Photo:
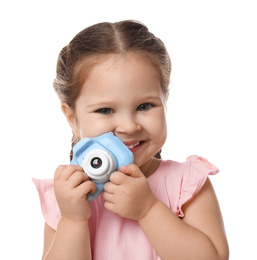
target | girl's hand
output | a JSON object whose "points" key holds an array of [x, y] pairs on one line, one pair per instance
{"points": [[128, 193], [71, 186]]}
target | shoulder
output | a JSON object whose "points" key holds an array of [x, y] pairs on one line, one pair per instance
{"points": [[194, 166], [178, 182]]}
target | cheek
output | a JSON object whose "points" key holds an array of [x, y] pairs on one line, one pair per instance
{"points": [[157, 126], [92, 127]]}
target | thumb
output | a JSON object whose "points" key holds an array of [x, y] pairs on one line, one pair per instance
{"points": [[131, 170]]}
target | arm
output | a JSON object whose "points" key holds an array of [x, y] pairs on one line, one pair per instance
{"points": [[71, 239], [200, 235]]}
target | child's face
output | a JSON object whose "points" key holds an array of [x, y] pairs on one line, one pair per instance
{"points": [[123, 95]]}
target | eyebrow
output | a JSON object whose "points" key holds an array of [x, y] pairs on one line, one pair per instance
{"points": [[109, 103], [152, 97], [104, 104]]}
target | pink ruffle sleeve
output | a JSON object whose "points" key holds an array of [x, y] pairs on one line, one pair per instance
{"points": [[49, 205], [194, 179]]}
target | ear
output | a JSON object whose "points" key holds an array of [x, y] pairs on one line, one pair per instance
{"points": [[71, 118]]}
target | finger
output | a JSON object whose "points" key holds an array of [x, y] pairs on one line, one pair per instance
{"points": [[109, 187], [68, 170], [117, 178], [58, 171], [108, 197], [86, 187], [109, 206], [77, 178], [131, 170]]}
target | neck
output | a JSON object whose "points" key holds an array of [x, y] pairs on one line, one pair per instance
{"points": [[150, 167]]}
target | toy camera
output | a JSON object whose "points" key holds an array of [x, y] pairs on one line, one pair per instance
{"points": [[99, 157]]}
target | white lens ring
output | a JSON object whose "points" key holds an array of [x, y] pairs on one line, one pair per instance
{"points": [[103, 171]]}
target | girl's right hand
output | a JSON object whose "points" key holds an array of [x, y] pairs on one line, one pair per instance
{"points": [[71, 186]]}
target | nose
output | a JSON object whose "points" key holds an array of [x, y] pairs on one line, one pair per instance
{"points": [[127, 124]]}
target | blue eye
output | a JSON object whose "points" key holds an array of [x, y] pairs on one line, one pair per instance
{"points": [[144, 107], [104, 111]]}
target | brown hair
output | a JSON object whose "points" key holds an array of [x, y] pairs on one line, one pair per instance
{"points": [[93, 43]]}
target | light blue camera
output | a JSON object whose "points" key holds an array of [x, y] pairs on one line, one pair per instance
{"points": [[99, 157]]}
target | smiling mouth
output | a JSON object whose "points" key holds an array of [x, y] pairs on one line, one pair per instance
{"points": [[133, 145]]}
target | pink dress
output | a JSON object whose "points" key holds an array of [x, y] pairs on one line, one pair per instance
{"points": [[114, 237]]}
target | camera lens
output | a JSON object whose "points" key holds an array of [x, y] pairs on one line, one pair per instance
{"points": [[96, 162]]}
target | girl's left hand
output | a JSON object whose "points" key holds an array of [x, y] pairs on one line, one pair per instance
{"points": [[128, 193]]}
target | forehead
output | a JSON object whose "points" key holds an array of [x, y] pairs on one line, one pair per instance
{"points": [[122, 75], [118, 61]]}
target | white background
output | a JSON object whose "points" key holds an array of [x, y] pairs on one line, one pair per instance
{"points": [[211, 110]]}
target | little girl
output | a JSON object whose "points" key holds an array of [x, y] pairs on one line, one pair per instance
{"points": [[114, 77]]}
